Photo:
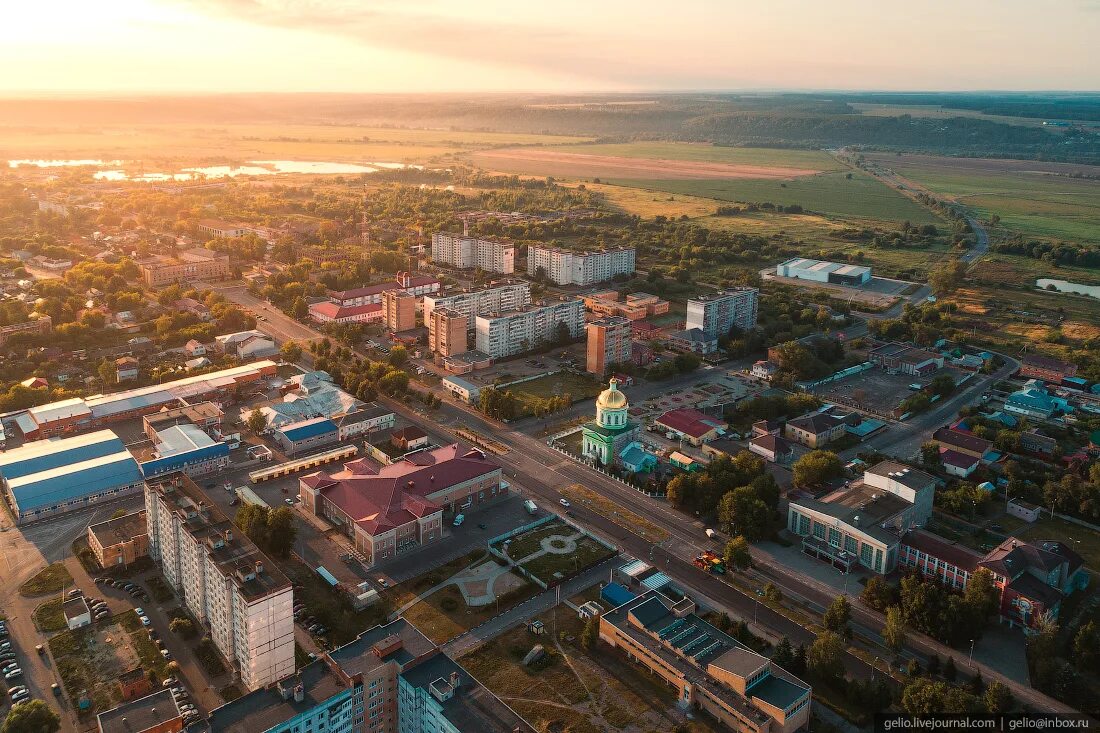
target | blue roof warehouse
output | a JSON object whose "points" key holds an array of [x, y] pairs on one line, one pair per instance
{"points": [[49, 477], [307, 434]]}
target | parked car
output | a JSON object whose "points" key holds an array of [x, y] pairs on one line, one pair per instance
{"points": [[21, 696], [565, 503], [56, 688], [75, 593], [459, 519], [166, 654], [17, 672], [169, 682], [145, 621], [17, 689], [7, 657]]}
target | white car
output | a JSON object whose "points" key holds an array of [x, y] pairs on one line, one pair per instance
{"points": [[565, 503], [145, 621], [17, 672], [139, 611]]}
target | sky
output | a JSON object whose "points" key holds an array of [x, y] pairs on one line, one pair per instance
{"points": [[176, 46]]}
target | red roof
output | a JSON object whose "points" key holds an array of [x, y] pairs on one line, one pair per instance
{"points": [[690, 422], [958, 555], [959, 439], [383, 498], [959, 460], [337, 311], [363, 291]]}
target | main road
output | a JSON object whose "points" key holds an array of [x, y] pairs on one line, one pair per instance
{"points": [[543, 471]]}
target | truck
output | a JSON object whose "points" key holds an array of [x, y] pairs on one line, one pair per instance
{"points": [[530, 506], [711, 534], [710, 562]]}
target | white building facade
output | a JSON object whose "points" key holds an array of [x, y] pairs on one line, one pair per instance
{"points": [[716, 314], [499, 299], [520, 331], [466, 252], [564, 267]]}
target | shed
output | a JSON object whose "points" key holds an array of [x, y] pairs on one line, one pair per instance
{"points": [[616, 595]]}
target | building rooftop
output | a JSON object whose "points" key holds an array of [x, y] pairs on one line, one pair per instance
{"points": [[905, 475], [329, 309], [1045, 362], [691, 422], [1013, 556], [181, 439], [958, 555], [140, 715], [816, 422], [398, 642], [863, 507], [958, 460], [308, 428], [120, 529], [960, 439], [232, 553]]}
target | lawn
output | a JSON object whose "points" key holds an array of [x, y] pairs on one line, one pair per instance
{"points": [[49, 616], [831, 193], [579, 386], [547, 567], [50, 579], [702, 152], [332, 608], [613, 511], [1082, 540], [444, 614], [574, 690]]}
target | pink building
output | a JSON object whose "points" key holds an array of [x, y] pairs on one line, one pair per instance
{"points": [[330, 312]]}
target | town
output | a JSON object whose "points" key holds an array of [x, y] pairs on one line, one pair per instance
{"points": [[557, 413]]}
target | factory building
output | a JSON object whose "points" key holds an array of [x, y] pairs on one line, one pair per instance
{"points": [[824, 272]]}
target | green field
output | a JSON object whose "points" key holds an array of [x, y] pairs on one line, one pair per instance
{"points": [[827, 193], [563, 383], [1034, 199]]}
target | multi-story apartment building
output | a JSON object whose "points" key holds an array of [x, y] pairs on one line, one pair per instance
{"points": [[391, 679], [519, 331], [708, 669], [189, 266], [390, 509], [448, 331], [715, 315], [243, 601], [497, 299], [565, 267], [399, 308], [41, 325], [467, 252], [219, 228], [608, 343]]}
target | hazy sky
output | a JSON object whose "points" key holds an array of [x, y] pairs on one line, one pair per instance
{"points": [[546, 45]]}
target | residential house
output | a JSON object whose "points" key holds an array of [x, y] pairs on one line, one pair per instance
{"points": [[409, 438], [126, 369], [773, 449], [194, 348], [691, 425], [1037, 366], [815, 429]]}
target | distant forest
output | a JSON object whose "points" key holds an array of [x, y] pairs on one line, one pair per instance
{"points": [[780, 120]]}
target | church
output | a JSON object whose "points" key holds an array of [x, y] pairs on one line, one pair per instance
{"points": [[612, 431]]}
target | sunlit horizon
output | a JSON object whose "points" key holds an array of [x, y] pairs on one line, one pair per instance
{"points": [[141, 47]]}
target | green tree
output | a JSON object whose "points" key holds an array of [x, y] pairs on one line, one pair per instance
{"points": [[878, 594], [32, 716], [997, 698], [398, 356], [923, 696], [742, 510], [950, 673], [281, 531], [107, 372], [826, 656], [893, 632], [815, 468], [798, 666], [591, 634], [183, 627], [1086, 646], [784, 653], [256, 421], [299, 309], [772, 594], [737, 553], [291, 351], [837, 617]]}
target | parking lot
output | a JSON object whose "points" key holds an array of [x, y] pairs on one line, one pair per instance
{"points": [[876, 390]]}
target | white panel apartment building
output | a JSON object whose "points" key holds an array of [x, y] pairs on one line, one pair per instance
{"points": [[469, 252], [715, 314], [579, 268], [232, 589], [499, 299], [514, 333]]}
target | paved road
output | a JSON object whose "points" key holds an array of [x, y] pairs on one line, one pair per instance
{"points": [[274, 322]]}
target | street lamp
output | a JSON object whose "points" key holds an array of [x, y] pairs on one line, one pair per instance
{"points": [[971, 652]]}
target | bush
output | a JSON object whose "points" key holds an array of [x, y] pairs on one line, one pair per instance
{"points": [[448, 604]]}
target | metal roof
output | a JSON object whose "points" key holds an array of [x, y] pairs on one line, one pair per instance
{"points": [[44, 455], [62, 410], [308, 429], [74, 481]]}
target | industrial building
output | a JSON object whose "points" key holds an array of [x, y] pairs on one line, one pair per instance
{"points": [[715, 315], [824, 272], [306, 435], [467, 252], [565, 267], [500, 298], [448, 331], [520, 331], [77, 414], [608, 343], [238, 596], [390, 678], [188, 449], [247, 345], [49, 477]]}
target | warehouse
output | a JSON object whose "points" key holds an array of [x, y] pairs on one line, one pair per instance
{"points": [[186, 448], [49, 477], [824, 272], [300, 436]]}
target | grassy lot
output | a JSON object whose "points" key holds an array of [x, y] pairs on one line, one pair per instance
{"points": [[588, 553], [530, 542], [1081, 539], [625, 518], [444, 614], [49, 616], [1035, 199], [580, 386], [332, 608], [827, 193], [574, 690], [239, 143], [50, 579], [701, 152]]}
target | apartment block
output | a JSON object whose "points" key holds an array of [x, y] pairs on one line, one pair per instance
{"points": [[715, 315], [44, 324], [400, 310], [519, 331], [565, 267], [608, 343], [497, 299], [237, 595], [467, 252], [390, 679], [447, 332], [188, 266]]}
